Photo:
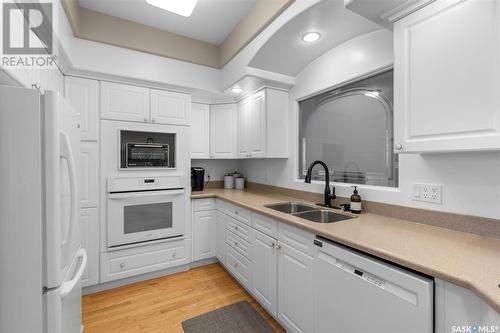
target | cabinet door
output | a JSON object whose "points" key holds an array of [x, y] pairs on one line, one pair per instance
{"points": [[243, 128], [89, 190], [264, 271], [168, 107], [83, 94], [295, 293], [446, 91], [257, 125], [124, 102], [223, 129], [203, 235], [220, 241], [200, 125], [89, 225]]}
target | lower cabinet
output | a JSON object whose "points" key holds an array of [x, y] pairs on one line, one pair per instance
{"points": [[295, 293], [265, 271], [239, 267], [220, 241], [89, 225], [140, 260], [204, 235]]}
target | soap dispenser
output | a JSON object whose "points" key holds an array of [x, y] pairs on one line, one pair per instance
{"points": [[355, 201]]}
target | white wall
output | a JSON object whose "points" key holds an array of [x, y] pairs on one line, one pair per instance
{"points": [[471, 181], [216, 168]]}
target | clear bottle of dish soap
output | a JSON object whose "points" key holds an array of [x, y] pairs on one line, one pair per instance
{"points": [[355, 201]]}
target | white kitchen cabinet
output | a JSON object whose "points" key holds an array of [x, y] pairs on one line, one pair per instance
{"points": [[115, 265], [264, 271], [89, 225], [89, 173], [172, 108], [262, 125], [295, 293], [124, 102], [203, 235], [447, 77], [223, 130], [200, 130], [220, 239], [457, 307], [83, 95]]}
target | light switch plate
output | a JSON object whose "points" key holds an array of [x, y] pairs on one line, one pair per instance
{"points": [[427, 192]]}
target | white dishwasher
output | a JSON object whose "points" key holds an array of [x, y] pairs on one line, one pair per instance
{"points": [[355, 293]]}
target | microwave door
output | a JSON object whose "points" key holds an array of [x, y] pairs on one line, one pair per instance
{"points": [[145, 216]]}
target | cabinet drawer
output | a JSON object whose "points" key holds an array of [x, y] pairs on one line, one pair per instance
{"points": [[265, 225], [240, 229], [238, 266], [239, 213], [297, 238], [238, 244], [204, 204], [126, 263]]}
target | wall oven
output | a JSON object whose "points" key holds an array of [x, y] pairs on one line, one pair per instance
{"points": [[142, 210]]}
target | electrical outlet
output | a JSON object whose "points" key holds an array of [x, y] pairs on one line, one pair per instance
{"points": [[427, 192]]}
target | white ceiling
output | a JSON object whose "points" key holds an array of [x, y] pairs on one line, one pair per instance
{"points": [[211, 21], [286, 53]]}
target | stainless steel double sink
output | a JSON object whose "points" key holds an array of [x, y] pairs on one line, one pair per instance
{"points": [[311, 213]]}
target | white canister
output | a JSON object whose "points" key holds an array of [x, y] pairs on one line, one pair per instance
{"points": [[240, 183], [228, 181]]}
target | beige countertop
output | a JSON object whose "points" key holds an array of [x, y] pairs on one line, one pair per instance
{"points": [[468, 260]]}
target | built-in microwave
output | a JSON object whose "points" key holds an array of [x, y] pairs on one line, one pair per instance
{"points": [[147, 149]]}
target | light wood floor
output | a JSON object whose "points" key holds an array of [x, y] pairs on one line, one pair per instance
{"points": [[161, 305]]}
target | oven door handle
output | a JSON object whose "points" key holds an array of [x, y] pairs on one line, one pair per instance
{"points": [[144, 194]]}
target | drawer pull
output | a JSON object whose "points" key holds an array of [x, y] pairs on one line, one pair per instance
{"points": [[235, 265], [235, 228], [122, 265], [236, 212], [174, 255], [278, 247], [273, 245], [236, 243]]}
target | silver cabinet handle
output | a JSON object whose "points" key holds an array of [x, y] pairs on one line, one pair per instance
{"points": [[236, 212], [153, 120], [235, 265], [174, 255], [145, 119], [399, 146], [122, 265], [236, 243], [273, 245], [278, 247], [235, 228]]}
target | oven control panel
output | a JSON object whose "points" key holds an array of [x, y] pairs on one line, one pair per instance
{"points": [[126, 184]]}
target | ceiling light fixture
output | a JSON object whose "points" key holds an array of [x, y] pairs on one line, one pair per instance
{"points": [[179, 7], [236, 90], [311, 37]]}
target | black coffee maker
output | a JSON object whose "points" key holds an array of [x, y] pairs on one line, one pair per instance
{"points": [[197, 178]]}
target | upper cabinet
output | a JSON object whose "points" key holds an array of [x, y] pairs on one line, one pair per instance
{"points": [[124, 102], [83, 95], [447, 77], [171, 108], [200, 144], [262, 125], [223, 130], [132, 103]]}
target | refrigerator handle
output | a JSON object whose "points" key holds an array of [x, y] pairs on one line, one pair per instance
{"points": [[68, 286], [67, 154]]}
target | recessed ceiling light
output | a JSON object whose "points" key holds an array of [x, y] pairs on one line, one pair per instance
{"points": [[311, 37], [236, 90], [179, 7]]}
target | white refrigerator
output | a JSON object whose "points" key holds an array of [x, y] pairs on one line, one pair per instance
{"points": [[41, 259]]}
